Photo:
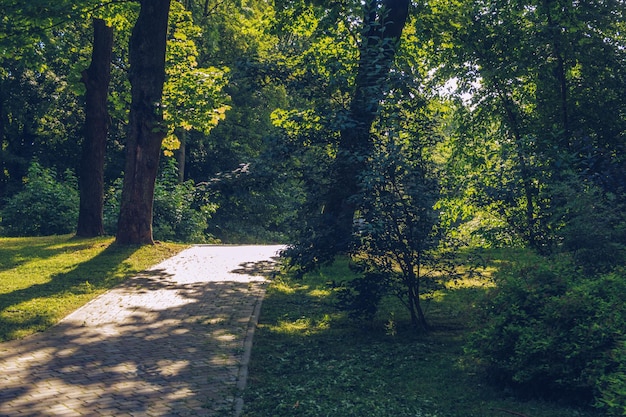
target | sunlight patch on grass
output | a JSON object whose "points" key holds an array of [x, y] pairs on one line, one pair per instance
{"points": [[470, 282], [43, 279], [282, 287], [320, 293], [302, 326]]}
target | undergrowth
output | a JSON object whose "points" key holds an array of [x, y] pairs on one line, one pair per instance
{"points": [[310, 359]]}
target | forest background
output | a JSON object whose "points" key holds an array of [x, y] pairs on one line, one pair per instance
{"points": [[392, 130]]}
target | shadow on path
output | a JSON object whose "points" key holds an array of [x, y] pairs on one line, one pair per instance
{"points": [[166, 343]]}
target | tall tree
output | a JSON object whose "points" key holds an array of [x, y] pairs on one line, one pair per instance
{"points": [[146, 129], [91, 180], [383, 23], [355, 85], [547, 84]]}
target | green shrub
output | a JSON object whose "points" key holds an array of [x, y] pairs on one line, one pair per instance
{"points": [[548, 331], [112, 201], [180, 213], [589, 224], [46, 206], [176, 217], [612, 386]]}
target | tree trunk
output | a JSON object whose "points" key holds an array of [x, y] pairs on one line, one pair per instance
{"points": [[527, 181], [559, 73], [384, 21], [181, 155], [91, 180], [146, 131]]}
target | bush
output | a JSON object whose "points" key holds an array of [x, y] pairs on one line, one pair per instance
{"points": [[546, 330], [612, 386], [46, 205], [176, 216], [180, 212], [590, 225]]}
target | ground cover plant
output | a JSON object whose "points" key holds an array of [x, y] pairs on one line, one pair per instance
{"points": [[43, 279], [310, 359]]}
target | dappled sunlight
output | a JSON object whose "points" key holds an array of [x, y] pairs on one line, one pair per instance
{"points": [[320, 293], [304, 326], [470, 282], [167, 341], [286, 288]]}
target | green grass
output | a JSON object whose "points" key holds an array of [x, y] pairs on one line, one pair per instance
{"points": [[309, 360], [45, 278]]}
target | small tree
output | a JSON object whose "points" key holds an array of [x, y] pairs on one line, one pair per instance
{"points": [[397, 228]]}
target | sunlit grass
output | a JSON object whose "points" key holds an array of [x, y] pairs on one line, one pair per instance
{"points": [[45, 278], [309, 359]]}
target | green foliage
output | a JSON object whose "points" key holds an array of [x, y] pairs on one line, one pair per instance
{"points": [[612, 386], [256, 203], [546, 330], [309, 360], [180, 210], [46, 206], [192, 96], [361, 296], [396, 227], [590, 224]]}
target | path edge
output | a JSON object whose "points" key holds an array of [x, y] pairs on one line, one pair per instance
{"points": [[242, 376]]}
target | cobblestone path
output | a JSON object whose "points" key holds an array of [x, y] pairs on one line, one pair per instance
{"points": [[173, 341]]}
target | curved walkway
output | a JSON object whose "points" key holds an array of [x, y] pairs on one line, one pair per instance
{"points": [[172, 341]]}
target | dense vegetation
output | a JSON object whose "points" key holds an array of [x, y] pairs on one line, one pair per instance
{"points": [[395, 132], [311, 359]]}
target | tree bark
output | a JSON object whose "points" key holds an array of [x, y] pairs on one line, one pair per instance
{"points": [[91, 180], [384, 21], [146, 131]]}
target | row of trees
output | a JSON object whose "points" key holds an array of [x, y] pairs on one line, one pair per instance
{"points": [[67, 84], [545, 81], [530, 139]]}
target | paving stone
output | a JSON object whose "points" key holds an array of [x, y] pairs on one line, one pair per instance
{"points": [[169, 342]]}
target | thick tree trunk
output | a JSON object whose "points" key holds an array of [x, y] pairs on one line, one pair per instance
{"points": [[384, 21], [91, 180], [146, 131]]}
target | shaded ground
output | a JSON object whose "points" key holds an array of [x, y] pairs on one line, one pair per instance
{"points": [[172, 341]]}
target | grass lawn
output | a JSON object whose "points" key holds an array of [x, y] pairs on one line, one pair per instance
{"points": [[45, 278], [308, 359]]}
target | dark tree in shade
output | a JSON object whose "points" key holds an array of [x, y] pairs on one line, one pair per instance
{"points": [[91, 180], [145, 131], [384, 21]]}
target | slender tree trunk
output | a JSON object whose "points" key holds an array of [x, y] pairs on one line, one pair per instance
{"points": [[527, 182], [181, 155], [91, 180], [3, 127], [146, 131], [384, 21], [418, 319], [559, 73]]}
